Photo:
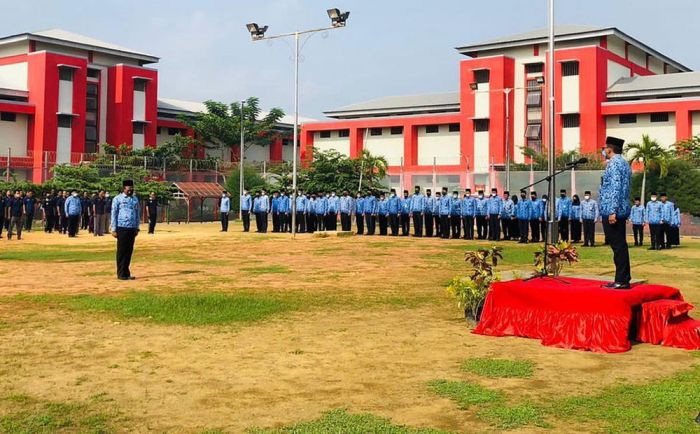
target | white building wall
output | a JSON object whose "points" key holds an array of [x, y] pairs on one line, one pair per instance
{"points": [[14, 76], [442, 146], [13, 136], [481, 101], [616, 45], [637, 56], [656, 66], [21, 47], [257, 153], [63, 145], [288, 151], [616, 71], [481, 152], [102, 127], [663, 132], [522, 56], [571, 139], [43, 46], [696, 123], [334, 142], [570, 93], [389, 146], [65, 96], [137, 141], [223, 153], [139, 105]]}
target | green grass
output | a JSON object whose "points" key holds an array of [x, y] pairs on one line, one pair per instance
{"points": [[464, 394], [22, 414], [499, 368], [267, 269], [195, 309], [340, 421], [43, 254], [510, 417]]}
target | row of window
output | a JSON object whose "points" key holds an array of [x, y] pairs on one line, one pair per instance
{"points": [[171, 131], [567, 69], [653, 117], [394, 131], [8, 117]]}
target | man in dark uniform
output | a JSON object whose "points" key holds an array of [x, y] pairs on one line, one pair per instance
{"points": [[3, 213], [85, 206], [152, 212], [15, 214], [125, 219], [48, 210], [98, 212], [615, 209], [61, 212], [29, 206]]}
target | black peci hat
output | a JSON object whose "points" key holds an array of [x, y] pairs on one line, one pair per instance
{"points": [[128, 183]]}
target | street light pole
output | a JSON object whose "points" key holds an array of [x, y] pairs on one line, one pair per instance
{"points": [[241, 177]]}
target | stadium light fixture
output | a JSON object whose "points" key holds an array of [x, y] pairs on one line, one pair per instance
{"points": [[256, 32], [338, 19]]}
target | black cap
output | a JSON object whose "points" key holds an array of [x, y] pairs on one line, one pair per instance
{"points": [[662, 194], [563, 190], [480, 191], [522, 191], [614, 141], [637, 198], [468, 189], [128, 183], [587, 192], [653, 193], [494, 189], [506, 192]]}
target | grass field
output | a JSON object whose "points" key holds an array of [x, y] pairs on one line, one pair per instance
{"points": [[227, 333]]}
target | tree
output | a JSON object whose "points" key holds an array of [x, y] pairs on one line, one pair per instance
{"points": [[649, 153], [220, 125], [86, 177], [688, 150], [682, 184], [333, 171], [253, 182]]}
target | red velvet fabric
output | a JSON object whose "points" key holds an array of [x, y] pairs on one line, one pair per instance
{"points": [[655, 316], [683, 333], [580, 315]]}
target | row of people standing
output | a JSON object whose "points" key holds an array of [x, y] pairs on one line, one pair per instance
{"points": [[663, 218]]}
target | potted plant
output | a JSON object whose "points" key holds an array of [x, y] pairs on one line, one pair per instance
{"points": [[470, 291], [557, 255]]}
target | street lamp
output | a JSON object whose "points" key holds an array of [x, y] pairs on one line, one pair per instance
{"points": [[241, 179], [257, 33]]}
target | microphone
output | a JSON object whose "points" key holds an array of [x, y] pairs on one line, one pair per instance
{"points": [[582, 160]]}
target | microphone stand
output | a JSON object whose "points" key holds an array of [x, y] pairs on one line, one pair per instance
{"points": [[550, 221]]}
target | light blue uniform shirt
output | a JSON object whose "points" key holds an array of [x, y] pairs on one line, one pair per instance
{"points": [[359, 206], [72, 207], [482, 206], [417, 203], [637, 215], [536, 209], [494, 205], [370, 205], [508, 209], [445, 205], [382, 207], [285, 205], [436, 206], [676, 220], [333, 204], [405, 205], [653, 212], [456, 206], [575, 212], [275, 205], [225, 204], [126, 212], [563, 207], [264, 203], [614, 194], [429, 204], [393, 205], [345, 205], [321, 206], [523, 209], [469, 206], [666, 211], [302, 204], [589, 210], [246, 202]]}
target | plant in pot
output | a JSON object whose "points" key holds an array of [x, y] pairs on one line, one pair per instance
{"points": [[470, 291], [557, 255]]}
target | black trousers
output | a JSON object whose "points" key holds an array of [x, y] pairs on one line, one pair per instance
{"points": [[300, 222], [468, 227], [73, 222], [261, 221], [360, 223], [616, 236], [456, 224], [417, 224], [638, 231], [523, 225], [49, 223], [676, 235], [310, 223], [575, 230], [63, 223], [505, 228], [494, 227], [514, 229], [246, 220], [154, 217], [275, 222], [665, 235], [224, 223], [345, 222], [125, 248], [285, 222], [405, 220], [543, 229], [655, 233], [332, 221], [394, 224], [438, 231], [84, 221], [371, 223], [28, 220], [564, 228], [482, 230], [428, 223], [382, 224], [589, 233], [444, 226], [535, 230], [320, 222]]}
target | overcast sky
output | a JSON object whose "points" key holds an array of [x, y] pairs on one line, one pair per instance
{"points": [[388, 48]]}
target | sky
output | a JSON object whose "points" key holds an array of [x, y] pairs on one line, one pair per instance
{"points": [[388, 47]]}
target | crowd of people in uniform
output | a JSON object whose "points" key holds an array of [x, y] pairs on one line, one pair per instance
{"points": [[520, 218]]}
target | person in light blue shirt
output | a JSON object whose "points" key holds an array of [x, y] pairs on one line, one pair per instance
{"points": [[436, 215], [311, 219], [536, 206], [246, 204], [494, 205], [224, 209], [359, 205], [263, 211], [589, 215], [301, 210], [285, 210], [455, 215], [321, 209], [382, 214], [445, 211], [371, 212], [405, 214], [667, 208], [482, 226], [563, 212], [345, 208], [73, 209], [428, 218], [652, 216], [393, 209], [125, 221], [637, 220], [417, 210], [523, 210], [333, 204], [676, 226], [468, 213], [615, 207], [507, 216]]}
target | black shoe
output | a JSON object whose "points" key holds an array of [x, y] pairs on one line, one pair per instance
{"points": [[609, 285], [621, 286]]}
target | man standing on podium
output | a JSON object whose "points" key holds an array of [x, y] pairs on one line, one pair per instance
{"points": [[615, 209]]}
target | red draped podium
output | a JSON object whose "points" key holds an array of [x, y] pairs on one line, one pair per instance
{"points": [[579, 315]]}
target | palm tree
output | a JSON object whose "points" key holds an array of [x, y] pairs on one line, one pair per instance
{"points": [[648, 152]]}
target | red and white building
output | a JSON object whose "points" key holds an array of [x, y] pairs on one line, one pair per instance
{"points": [[606, 83], [61, 94]]}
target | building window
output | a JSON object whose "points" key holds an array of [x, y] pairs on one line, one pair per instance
{"points": [[396, 130], [93, 73], [481, 125], [139, 127], [8, 117], [571, 120], [173, 131], [159, 130], [569, 68], [140, 85], [343, 133], [453, 128], [628, 119], [432, 129], [659, 117], [325, 134], [534, 98], [482, 76], [375, 131], [534, 68], [65, 73], [286, 142], [91, 133], [534, 132], [91, 90], [65, 121]]}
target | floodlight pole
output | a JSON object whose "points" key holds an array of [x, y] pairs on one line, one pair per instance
{"points": [[295, 152], [241, 179], [551, 207]]}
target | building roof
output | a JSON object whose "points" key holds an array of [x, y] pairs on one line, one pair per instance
{"points": [[200, 190], [655, 85], [562, 33], [446, 102], [70, 39], [177, 106]]}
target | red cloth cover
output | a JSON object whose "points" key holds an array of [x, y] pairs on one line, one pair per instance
{"points": [[655, 317], [580, 315], [683, 333]]}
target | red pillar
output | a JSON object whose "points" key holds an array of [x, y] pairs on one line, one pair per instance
{"points": [[356, 142], [684, 124], [276, 150], [410, 146]]}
